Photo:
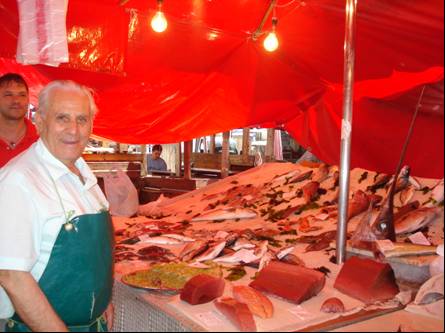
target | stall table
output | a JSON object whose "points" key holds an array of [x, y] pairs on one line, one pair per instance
{"points": [[139, 311]]}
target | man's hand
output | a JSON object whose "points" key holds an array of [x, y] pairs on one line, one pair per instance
{"points": [[109, 316]]}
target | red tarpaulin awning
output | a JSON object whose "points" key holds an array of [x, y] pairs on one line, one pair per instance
{"points": [[206, 73]]}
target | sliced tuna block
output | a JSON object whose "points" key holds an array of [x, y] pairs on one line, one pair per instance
{"points": [[202, 289], [294, 283], [258, 303], [238, 313], [367, 280]]}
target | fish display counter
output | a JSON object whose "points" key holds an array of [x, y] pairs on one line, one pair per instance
{"points": [[256, 252]]}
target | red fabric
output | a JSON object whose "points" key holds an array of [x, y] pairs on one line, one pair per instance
{"points": [[6, 153], [206, 74], [380, 124]]}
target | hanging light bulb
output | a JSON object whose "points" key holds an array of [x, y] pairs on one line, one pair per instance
{"points": [[159, 22], [271, 42]]}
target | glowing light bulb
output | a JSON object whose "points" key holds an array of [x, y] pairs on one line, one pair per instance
{"points": [[159, 22], [271, 42]]}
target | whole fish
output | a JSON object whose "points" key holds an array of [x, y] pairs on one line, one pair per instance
{"points": [[403, 180], [438, 192], [407, 194], [363, 232], [293, 260], [160, 240], [310, 191], [300, 178], [212, 252], [336, 176], [262, 249], [380, 182], [288, 175], [414, 182], [180, 238], [243, 243], [192, 250], [321, 174], [227, 214], [243, 256], [406, 209], [284, 252], [358, 204], [265, 260], [417, 219], [321, 241]]}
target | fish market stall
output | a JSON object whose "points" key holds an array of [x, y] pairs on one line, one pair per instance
{"points": [[256, 252]]}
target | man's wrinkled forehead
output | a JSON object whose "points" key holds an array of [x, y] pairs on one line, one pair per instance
{"points": [[63, 100]]}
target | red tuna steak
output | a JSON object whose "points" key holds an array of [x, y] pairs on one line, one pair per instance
{"points": [[202, 289], [367, 280], [294, 283]]}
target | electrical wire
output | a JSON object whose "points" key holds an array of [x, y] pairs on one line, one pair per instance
{"points": [[287, 4]]}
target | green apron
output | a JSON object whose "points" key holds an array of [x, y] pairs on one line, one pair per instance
{"points": [[78, 278]]}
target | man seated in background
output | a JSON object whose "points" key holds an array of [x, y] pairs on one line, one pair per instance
{"points": [[155, 162]]}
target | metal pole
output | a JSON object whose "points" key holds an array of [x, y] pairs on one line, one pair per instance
{"points": [[144, 170], [178, 160], [188, 146], [212, 144], [225, 155], [258, 31], [346, 131], [246, 143]]}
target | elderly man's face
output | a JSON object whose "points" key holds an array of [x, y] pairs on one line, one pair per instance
{"points": [[66, 126], [14, 101]]}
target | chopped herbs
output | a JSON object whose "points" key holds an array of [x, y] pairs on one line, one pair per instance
{"points": [[363, 177], [425, 190], [326, 271], [236, 273], [275, 243], [289, 232]]}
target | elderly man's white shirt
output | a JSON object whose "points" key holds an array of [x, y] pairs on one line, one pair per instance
{"points": [[31, 214]]}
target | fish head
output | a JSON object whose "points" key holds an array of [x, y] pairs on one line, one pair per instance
{"points": [[405, 172]]}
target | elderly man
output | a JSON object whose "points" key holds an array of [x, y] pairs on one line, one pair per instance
{"points": [[16, 132], [55, 234]]}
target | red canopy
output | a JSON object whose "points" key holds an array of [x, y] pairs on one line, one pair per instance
{"points": [[206, 73]]}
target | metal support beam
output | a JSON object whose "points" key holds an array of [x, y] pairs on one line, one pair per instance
{"points": [[225, 155], [144, 170], [187, 159], [346, 131], [178, 160], [270, 144], [212, 144], [259, 31], [246, 142]]}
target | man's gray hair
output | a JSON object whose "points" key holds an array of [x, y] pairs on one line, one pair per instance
{"points": [[66, 85]]}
